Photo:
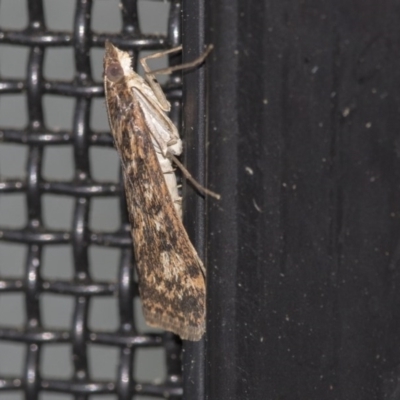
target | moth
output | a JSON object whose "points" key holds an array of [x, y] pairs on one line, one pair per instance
{"points": [[171, 274]]}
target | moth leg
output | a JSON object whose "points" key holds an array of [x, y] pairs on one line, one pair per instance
{"points": [[150, 75], [159, 54], [166, 71], [193, 181]]}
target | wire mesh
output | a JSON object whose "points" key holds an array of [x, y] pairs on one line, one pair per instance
{"points": [[37, 236]]}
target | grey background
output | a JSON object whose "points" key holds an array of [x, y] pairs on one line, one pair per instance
{"points": [[58, 164]]}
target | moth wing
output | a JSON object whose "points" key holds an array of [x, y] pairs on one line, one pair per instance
{"points": [[171, 279]]}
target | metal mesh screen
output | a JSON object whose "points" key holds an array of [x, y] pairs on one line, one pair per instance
{"points": [[38, 243]]}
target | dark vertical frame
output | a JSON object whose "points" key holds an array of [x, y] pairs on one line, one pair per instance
{"points": [[194, 133], [222, 234], [303, 259]]}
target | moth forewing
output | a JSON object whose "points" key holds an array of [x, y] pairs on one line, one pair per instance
{"points": [[171, 275]]}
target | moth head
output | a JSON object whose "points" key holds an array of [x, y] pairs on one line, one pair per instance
{"points": [[117, 63]]}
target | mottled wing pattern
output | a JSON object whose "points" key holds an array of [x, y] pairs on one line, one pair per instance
{"points": [[171, 280]]}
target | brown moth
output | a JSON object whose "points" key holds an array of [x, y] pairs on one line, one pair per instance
{"points": [[171, 274]]}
